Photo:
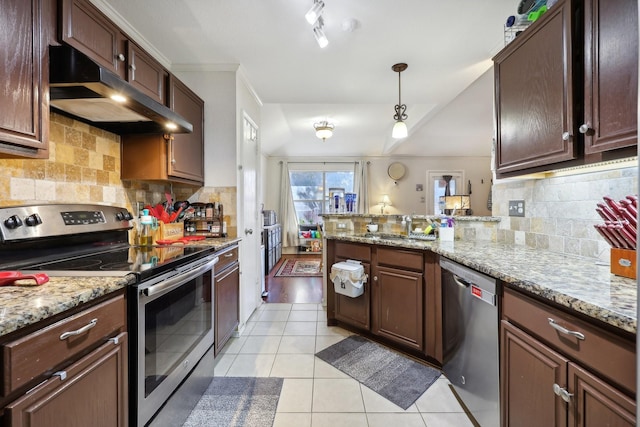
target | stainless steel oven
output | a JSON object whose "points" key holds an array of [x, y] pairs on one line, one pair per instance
{"points": [[174, 315], [169, 301]]}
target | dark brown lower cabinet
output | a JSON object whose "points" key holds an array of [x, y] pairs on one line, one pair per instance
{"points": [[91, 392], [398, 306], [356, 311], [559, 371], [227, 298]]}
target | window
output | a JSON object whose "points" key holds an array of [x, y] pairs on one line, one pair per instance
{"points": [[437, 185], [310, 185]]}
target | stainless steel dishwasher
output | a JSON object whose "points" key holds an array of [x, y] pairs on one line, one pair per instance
{"points": [[470, 323]]}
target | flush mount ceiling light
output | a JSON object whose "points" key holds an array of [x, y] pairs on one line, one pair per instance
{"points": [[315, 12], [324, 130], [400, 127]]}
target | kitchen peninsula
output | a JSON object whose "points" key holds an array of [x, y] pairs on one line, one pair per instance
{"points": [[402, 306]]}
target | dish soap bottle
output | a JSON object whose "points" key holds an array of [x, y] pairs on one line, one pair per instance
{"points": [[146, 228]]}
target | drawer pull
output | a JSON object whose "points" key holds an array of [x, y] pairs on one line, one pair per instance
{"points": [[562, 392], [114, 340], [565, 331], [229, 255], [82, 330]]}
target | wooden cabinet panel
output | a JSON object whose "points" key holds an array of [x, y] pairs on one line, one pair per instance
{"points": [[24, 112], [355, 311], [85, 28], [23, 358], [227, 300], [146, 74], [410, 260], [534, 95], [398, 306], [355, 251], [93, 392], [528, 372], [597, 403], [187, 150], [611, 75]]}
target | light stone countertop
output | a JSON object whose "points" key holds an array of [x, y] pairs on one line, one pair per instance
{"points": [[578, 284], [25, 304]]}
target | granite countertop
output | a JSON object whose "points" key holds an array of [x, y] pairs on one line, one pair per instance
{"points": [[25, 303], [579, 284]]}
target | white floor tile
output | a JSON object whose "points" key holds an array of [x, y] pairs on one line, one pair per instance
{"points": [[277, 306], [447, 420], [303, 316], [396, 420], [300, 328], [274, 315], [234, 345], [251, 365], [284, 419], [373, 402], [260, 344], [338, 420], [305, 307], [337, 395], [322, 316], [297, 344], [324, 341], [296, 395], [324, 370], [268, 328], [438, 398], [323, 329], [222, 364], [248, 327], [293, 366]]}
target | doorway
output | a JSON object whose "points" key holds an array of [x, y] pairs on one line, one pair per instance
{"points": [[294, 289]]}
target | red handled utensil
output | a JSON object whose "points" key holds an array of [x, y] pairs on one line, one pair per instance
{"points": [[10, 277]]}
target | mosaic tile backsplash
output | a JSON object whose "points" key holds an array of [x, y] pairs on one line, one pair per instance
{"points": [[560, 211], [84, 167]]}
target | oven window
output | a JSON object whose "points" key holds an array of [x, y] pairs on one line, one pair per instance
{"points": [[174, 324]]}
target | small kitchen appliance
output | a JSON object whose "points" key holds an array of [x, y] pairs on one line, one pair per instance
{"points": [[170, 296]]}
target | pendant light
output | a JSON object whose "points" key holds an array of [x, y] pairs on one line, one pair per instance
{"points": [[400, 127]]}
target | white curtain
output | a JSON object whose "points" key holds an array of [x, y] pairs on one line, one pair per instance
{"points": [[361, 187], [288, 216]]}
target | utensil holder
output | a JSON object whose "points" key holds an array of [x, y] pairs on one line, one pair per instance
{"points": [[447, 234]]}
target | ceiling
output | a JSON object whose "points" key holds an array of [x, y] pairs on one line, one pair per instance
{"points": [[447, 87]]}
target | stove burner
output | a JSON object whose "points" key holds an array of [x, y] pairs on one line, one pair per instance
{"points": [[116, 266]]}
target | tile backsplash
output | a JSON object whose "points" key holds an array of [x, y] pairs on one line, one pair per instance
{"points": [[560, 211], [84, 167]]}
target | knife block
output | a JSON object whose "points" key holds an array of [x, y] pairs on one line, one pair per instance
{"points": [[623, 262]]}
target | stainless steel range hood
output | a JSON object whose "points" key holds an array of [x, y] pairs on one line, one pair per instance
{"points": [[83, 89]]}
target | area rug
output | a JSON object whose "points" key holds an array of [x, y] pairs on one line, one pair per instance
{"points": [[398, 378], [237, 402], [296, 267]]}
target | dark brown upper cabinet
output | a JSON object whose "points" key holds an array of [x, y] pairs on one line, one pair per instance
{"points": [[24, 110], [85, 28], [611, 75], [566, 88]]}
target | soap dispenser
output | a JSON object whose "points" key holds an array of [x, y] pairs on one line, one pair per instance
{"points": [[147, 225]]}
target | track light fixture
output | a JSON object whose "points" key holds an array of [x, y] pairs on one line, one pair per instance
{"points": [[315, 12], [319, 34], [324, 130], [400, 127]]}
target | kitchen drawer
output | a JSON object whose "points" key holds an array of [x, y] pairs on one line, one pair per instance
{"points": [[227, 257], [353, 251], [43, 351], [399, 258], [600, 351]]}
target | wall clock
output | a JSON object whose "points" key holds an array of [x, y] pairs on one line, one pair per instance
{"points": [[396, 171]]}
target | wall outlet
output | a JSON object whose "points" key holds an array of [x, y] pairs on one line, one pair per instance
{"points": [[516, 207], [342, 225]]}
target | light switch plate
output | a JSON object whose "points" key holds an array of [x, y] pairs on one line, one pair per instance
{"points": [[516, 207]]}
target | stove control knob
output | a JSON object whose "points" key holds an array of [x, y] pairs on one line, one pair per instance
{"points": [[120, 216], [33, 220], [13, 222], [124, 216]]}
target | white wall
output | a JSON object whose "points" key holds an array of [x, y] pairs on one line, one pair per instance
{"points": [[403, 195]]}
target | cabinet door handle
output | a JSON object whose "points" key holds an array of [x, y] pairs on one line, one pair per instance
{"points": [[120, 57], [584, 128], [562, 392], [82, 330], [565, 331], [566, 136], [375, 278]]}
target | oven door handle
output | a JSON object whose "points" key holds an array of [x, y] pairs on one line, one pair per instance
{"points": [[180, 279]]}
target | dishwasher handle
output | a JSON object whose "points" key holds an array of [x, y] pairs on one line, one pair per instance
{"points": [[476, 291], [460, 281]]}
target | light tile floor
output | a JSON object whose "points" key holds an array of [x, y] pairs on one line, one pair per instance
{"points": [[280, 340]]}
